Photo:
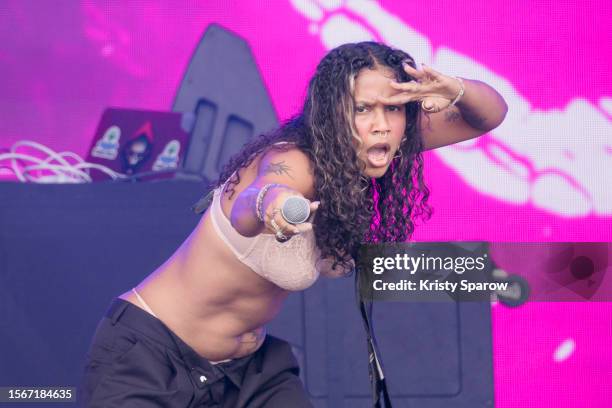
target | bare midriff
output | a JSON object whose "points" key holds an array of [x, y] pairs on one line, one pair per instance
{"points": [[206, 296]]}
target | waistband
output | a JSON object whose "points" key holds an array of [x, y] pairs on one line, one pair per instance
{"points": [[153, 328]]}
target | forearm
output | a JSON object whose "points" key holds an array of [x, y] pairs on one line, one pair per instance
{"points": [[481, 106]]}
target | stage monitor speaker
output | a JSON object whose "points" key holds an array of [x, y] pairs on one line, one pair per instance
{"points": [[225, 100]]}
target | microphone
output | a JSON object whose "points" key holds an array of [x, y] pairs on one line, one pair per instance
{"points": [[295, 210]]}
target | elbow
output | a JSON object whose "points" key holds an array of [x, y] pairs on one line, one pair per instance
{"points": [[500, 114], [502, 110]]}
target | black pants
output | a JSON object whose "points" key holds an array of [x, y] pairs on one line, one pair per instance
{"points": [[136, 361]]}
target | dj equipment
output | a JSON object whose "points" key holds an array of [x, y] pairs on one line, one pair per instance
{"points": [[143, 142]]}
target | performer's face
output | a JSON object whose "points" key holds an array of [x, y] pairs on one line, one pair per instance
{"points": [[380, 127]]}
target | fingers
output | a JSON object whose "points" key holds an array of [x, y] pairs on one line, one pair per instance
{"points": [[413, 72], [412, 91], [429, 106], [430, 71], [434, 104], [420, 74], [303, 227], [429, 88], [398, 99], [405, 86], [280, 233], [283, 230], [278, 223], [307, 225], [273, 202], [314, 206]]}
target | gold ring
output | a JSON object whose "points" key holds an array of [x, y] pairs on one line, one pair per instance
{"points": [[432, 109]]}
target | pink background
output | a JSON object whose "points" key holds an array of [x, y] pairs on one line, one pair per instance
{"points": [[63, 63]]}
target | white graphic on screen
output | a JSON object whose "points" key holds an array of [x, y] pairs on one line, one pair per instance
{"points": [[556, 160], [564, 350]]}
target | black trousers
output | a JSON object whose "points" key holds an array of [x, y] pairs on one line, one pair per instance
{"points": [[136, 361]]}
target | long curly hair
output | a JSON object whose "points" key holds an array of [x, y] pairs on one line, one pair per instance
{"points": [[354, 209]]}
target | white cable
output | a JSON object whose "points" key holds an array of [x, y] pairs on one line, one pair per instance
{"points": [[72, 171], [72, 155], [52, 155], [62, 170], [111, 173], [65, 174], [39, 146]]}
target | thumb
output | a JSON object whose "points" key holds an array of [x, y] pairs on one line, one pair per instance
{"points": [[314, 206]]}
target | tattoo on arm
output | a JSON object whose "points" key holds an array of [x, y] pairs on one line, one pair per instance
{"points": [[452, 115], [279, 169], [472, 118]]}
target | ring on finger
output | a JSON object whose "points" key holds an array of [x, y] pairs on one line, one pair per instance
{"points": [[276, 227], [431, 109], [280, 237]]}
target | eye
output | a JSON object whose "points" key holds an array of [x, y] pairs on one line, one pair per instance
{"points": [[394, 108], [361, 109]]}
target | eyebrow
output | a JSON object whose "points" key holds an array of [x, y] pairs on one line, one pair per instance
{"points": [[372, 103], [366, 102]]}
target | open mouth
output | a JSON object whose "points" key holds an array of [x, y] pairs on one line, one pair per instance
{"points": [[378, 154]]}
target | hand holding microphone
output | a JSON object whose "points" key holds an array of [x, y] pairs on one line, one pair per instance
{"points": [[287, 212]]}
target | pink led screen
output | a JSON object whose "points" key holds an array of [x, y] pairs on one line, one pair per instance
{"points": [[544, 175]]}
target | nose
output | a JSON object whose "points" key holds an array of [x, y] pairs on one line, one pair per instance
{"points": [[381, 123]]}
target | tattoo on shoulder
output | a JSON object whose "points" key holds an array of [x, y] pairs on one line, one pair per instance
{"points": [[279, 168]]}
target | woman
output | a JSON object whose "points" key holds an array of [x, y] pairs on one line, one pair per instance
{"points": [[193, 332]]}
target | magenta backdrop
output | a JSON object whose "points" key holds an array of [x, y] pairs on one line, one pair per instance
{"points": [[543, 175]]}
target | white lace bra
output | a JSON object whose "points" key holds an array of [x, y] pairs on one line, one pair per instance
{"points": [[289, 265]]}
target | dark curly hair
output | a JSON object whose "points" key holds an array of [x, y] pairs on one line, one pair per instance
{"points": [[354, 209]]}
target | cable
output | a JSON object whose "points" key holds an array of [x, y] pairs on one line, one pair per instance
{"points": [[62, 171]]}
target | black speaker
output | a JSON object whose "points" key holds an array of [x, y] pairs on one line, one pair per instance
{"points": [[225, 102]]}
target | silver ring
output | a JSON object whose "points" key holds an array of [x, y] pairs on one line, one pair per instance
{"points": [[280, 237], [275, 226]]}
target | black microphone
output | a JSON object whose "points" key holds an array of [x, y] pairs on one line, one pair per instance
{"points": [[295, 210]]}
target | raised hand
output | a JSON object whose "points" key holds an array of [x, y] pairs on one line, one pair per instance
{"points": [[434, 90]]}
